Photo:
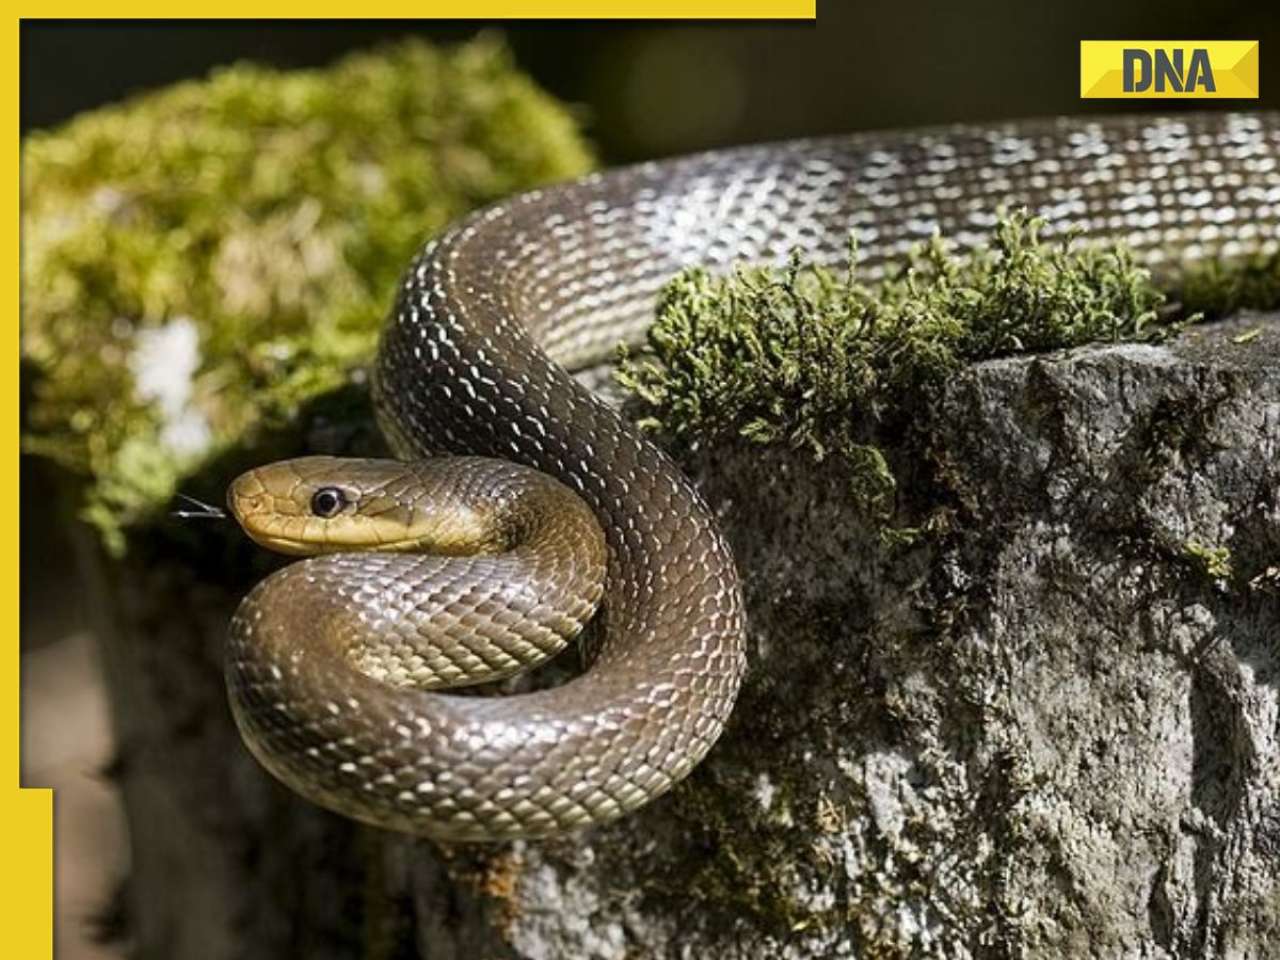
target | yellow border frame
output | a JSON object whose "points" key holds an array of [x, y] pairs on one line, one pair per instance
{"points": [[27, 814]]}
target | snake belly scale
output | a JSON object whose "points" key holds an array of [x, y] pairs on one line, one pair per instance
{"points": [[475, 361]]}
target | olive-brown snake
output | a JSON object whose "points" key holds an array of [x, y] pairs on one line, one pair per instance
{"points": [[328, 657]]}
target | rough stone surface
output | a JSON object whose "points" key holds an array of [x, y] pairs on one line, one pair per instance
{"points": [[1046, 728]]}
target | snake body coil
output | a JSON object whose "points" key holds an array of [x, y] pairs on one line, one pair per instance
{"points": [[474, 361]]}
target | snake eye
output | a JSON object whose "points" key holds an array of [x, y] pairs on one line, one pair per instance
{"points": [[328, 501]]}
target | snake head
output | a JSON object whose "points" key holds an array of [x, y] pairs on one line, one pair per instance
{"points": [[314, 505]]}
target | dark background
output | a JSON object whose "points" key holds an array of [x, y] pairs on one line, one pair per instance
{"points": [[650, 89]]}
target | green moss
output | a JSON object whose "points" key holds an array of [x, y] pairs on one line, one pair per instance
{"points": [[256, 223], [757, 859], [816, 361], [1215, 562], [1218, 287]]}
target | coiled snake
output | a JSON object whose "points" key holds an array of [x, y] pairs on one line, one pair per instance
{"points": [[330, 659]]}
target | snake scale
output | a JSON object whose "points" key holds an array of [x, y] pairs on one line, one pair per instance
{"points": [[329, 670]]}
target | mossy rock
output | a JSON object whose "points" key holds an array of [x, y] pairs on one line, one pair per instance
{"points": [[200, 262], [805, 358]]}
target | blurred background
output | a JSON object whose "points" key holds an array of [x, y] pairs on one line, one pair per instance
{"points": [[640, 91], [651, 90]]}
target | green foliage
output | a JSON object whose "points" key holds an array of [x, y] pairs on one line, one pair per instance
{"points": [[804, 357], [259, 220]]}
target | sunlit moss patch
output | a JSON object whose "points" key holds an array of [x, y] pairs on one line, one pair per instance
{"points": [[204, 259], [814, 359]]}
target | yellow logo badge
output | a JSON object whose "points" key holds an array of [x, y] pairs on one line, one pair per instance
{"points": [[1169, 69]]}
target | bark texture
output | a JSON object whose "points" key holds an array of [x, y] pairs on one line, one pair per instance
{"points": [[1046, 727]]}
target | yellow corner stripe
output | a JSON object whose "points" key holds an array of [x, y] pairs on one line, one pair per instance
{"points": [[26, 815], [619, 9], [1169, 69], [478, 10]]}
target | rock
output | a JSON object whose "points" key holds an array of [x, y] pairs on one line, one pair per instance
{"points": [[1048, 728], [1045, 726]]}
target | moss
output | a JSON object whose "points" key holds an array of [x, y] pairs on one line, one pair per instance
{"points": [[201, 261], [741, 862], [803, 357], [1219, 288], [1214, 562]]}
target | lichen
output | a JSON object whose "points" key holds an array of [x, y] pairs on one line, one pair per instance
{"points": [[272, 212], [819, 362]]}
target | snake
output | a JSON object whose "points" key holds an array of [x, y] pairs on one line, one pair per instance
{"points": [[525, 505]]}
